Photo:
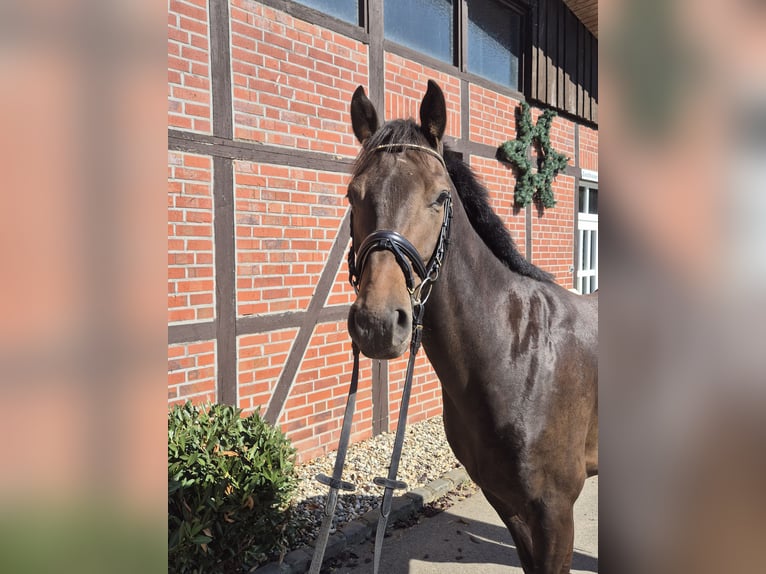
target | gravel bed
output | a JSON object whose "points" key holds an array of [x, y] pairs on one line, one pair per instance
{"points": [[426, 456]]}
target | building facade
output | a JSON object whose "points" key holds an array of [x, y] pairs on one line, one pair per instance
{"points": [[259, 150]]}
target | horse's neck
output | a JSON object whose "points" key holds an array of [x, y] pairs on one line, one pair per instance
{"points": [[473, 286]]}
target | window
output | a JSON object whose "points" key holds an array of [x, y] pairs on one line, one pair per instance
{"points": [[483, 37], [494, 42], [586, 240], [423, 25], [588, 200], [347, 10]]}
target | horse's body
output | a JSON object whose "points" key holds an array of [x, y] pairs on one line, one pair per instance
{"points": [[516, 354]]}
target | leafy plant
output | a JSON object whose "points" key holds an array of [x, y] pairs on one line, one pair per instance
{"points": [[230, 479]]}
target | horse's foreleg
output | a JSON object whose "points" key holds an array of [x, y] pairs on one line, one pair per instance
{"points": [[519, 532], [553, 536], [523, 539]]}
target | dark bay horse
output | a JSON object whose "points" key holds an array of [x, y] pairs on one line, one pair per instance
{"points": [[516, 353]]}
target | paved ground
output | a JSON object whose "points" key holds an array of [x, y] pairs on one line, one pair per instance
{"points": [[469, 538]]}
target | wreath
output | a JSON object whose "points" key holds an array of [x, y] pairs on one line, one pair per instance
{"points": [[533, 186]]}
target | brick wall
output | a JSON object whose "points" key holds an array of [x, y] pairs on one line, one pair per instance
{"points": [[291, 80], [553, 229], [261, 357], [553, 233], [286, 169], [313, 412], [500, 181], [405, 84], [188, 65], [286, 222], [190, 238], [493, 116], [191, 372], [588, 148], [191, 290], [562, 137], [426, 399]]}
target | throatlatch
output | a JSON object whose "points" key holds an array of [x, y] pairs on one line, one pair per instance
{"points": [[409, 260]]}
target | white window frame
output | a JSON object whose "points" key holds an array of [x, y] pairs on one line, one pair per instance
{"points": [[586, 266]]}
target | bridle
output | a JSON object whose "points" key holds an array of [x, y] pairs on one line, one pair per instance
{"points": [[404, 252], [411, 264]]}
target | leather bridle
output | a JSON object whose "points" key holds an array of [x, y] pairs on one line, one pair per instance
{"points": [[404, 252]]}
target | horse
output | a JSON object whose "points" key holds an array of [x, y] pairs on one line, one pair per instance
{"points": [[516, 354]]}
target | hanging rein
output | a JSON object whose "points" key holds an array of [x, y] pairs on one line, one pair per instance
{"points": [[411, 264]]}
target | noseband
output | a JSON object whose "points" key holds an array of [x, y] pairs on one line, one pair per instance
{"points": [[404, 252]]}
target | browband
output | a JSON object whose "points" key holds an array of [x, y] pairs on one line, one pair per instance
{"points": [[426, 149]]}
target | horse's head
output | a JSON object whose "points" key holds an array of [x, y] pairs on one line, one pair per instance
{"points": [[400, 196]]}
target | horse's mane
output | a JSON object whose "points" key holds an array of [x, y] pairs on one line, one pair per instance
{"points": [[485, 221], [473, 195]]}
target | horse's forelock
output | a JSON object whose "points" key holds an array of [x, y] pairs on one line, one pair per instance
{"points": [[393, 132]]}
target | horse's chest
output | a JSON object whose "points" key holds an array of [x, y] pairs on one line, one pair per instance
{"points": [[489, 453]]}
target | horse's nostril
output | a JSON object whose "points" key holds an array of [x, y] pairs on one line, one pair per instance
{"points": [[352, 318], [402, 319], [380, 333]]}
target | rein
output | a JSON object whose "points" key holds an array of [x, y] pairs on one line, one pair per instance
{"points": [[409, 261]]}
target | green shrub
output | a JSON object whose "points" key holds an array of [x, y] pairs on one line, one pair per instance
{"points": [[229, 484]]}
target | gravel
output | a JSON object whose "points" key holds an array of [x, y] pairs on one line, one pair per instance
{"points": [[426, 456]]}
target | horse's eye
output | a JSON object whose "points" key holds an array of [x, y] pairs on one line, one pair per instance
{"points": [[442, 198], [353, 193]]}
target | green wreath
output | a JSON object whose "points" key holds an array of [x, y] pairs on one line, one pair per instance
{"points": [[533, 186]]}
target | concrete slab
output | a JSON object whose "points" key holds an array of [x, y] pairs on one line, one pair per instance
{"points": [[469, 538]]}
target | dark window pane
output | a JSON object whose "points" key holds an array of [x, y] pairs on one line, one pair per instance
{"points": [[347, 10], [593, 201], [424, 25], [494, 42], [581, 202]]}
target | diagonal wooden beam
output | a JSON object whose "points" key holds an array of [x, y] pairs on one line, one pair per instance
{"points": [[310, 319]]}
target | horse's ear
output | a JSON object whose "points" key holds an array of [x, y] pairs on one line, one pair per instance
{"points": [[364, 119], [433, 113]]}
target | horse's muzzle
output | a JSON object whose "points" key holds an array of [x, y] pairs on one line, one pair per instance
{"points": [[381, 332]]}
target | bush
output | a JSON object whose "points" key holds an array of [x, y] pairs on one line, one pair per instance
{"points": [[229, 484]]}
